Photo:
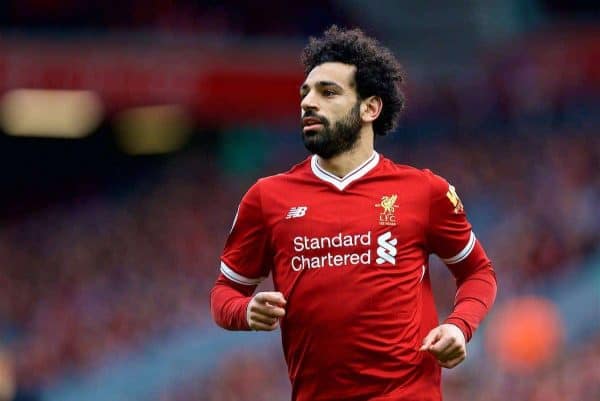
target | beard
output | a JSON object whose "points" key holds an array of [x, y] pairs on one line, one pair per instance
{"points": [[330, 141]]}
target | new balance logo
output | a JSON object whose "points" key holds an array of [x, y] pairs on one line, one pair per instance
{"points": [[298, 211], [387, 249]]}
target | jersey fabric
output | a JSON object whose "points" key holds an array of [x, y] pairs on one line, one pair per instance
{"points": [[350, 256]]}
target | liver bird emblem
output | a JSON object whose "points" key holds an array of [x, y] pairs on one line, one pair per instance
{"points": [[388, 203]]}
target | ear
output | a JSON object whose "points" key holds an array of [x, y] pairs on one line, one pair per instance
{"points": [[370, 108]]}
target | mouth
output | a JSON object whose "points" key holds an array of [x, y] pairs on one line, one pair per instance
{"points": [[311, 124], [312, 127]]}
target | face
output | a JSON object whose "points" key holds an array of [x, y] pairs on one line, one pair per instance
{"points": [[331, 120]]}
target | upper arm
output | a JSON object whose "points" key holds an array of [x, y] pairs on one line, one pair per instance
{"points": [[449, 233], [246, 258]]}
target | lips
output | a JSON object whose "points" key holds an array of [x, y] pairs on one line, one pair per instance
{"points": [[308, 121], [311, 123]]}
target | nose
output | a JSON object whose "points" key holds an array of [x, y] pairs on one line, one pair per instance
{"points": [[309, 102]]}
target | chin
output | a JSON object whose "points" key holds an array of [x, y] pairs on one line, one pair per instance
{"points": [[312, 137]]}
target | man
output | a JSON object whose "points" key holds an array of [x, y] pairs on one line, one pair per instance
{"points": [[346, 235]]}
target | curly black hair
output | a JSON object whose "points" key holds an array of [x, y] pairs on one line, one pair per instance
{"points": [[378, 73]]}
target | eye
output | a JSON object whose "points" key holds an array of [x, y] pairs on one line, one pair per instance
{"points": [[328, 92]]}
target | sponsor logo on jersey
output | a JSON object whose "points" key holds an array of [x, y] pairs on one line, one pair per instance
{"points": [[386, 249], [297, 211], [387, 217], [342, 250], [454, 199], [336, 251]]}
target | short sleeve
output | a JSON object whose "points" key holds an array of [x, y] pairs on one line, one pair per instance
{"points": [[246, 257], [449, 233]]}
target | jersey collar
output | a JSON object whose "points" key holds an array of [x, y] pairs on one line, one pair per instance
{"points": [[341, 183]]}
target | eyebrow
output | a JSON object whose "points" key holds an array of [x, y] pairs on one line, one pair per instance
{"points": [[304, 87]]}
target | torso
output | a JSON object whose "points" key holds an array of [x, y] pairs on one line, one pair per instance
{"points": [[350, 257]]}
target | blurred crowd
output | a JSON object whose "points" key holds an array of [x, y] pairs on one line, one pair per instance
{"points": [[83, 279], [572, 375], [213, 17]]}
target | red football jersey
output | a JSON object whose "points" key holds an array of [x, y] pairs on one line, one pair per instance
{"points": [[351, 258]]}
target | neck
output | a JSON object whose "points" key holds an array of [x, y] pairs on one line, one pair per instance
{"points": [[340, 165]]}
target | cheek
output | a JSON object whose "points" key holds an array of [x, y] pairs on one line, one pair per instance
{"points": [[339, 108], [339, 112]]}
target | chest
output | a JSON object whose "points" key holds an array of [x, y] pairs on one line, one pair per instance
{"points": [[317, 221]]}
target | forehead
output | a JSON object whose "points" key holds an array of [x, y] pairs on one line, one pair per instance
{"points": [[340, 73]]}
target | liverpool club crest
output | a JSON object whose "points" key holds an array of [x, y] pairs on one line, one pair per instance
{"points": [[387, 217]]}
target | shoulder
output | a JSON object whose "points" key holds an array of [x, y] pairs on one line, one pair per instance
{"points": [[421, 176], [437, 183], [422, 183]]}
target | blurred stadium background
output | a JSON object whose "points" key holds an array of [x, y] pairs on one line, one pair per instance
{"points": [[129, 133]]}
